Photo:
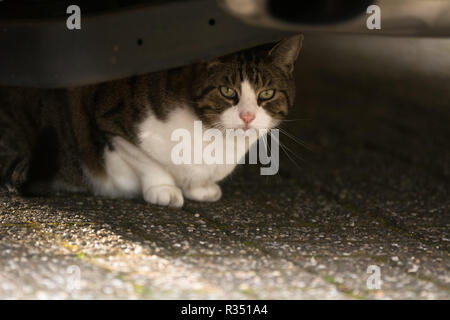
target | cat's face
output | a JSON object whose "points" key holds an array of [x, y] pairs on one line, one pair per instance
{"points": [[250, 89]]}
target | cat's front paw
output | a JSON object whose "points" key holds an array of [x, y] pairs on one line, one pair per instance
{"points": [[165, 195], [210, 192]]}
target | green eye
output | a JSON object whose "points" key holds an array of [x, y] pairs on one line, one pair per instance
{"points": [[227, 92], [267, 94]]}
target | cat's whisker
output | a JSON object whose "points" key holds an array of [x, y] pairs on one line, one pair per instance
{"points": [[287, 150], [294, 120], [287, 154], [266, 143], [267, 146], [296, 139]]}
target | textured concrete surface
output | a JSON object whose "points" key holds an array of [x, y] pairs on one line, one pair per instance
{"points": [[371, 187]]}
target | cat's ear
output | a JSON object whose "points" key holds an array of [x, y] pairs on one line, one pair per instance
{"points": [[285, 52]]}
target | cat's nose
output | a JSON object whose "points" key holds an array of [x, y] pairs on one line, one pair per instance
{"points": [[247, 117]]}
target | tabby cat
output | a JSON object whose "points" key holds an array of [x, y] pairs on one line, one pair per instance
{"points": [[114, 138]]}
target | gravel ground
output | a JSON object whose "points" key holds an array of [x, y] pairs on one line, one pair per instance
{"points": [[368, 184]]}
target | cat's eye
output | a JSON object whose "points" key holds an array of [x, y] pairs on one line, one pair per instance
{"points": [[266, 94], [227, 92]]}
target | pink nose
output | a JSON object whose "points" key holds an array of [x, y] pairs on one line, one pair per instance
{"points": [[247, 117]]}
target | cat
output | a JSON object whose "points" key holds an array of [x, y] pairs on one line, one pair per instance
{"points": [[114, 138]]}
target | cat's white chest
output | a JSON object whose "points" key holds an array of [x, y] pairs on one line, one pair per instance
{"points": [[159, 138]]}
